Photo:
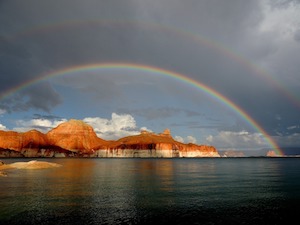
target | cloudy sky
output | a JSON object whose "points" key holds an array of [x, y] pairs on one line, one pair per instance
{"points": [[247, 51]]}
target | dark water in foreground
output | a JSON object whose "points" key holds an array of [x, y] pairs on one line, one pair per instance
{"points": [[153, 191]]}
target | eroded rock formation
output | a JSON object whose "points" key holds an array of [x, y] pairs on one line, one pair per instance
{"points": [[78, 139], [272, 153], [75, 135]]}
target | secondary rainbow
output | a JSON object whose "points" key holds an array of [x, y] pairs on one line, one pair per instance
{"points": [[197, 38], [159, 71]]}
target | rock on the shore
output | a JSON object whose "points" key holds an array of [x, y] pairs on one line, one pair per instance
{"points": [[34, 164], [31, 165]]}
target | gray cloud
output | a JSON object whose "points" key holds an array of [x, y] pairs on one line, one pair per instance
{"points": [[297, 35], [283, 3], [197, 125], [160, 113], [40, 97], [46, 117], [223, 44], [15, 63]]}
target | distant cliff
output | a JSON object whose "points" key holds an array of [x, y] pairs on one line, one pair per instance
{"points": [[78, 139]]}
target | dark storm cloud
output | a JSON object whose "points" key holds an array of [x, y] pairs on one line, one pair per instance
{"points": [[297, 35], [15, 64], [24, 55], [233, 25], [18, 65], [40, 96], [112, 42], [236, 28], [209, 17], [32, 13], [102, 88]]}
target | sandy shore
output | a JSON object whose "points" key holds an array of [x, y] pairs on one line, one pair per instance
{"points": [[34, 164]]}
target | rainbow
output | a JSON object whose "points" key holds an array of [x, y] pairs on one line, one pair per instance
{"points": [[197, 38], [159, 71]]}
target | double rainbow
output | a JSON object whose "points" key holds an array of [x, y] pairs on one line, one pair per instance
{"points": [[159, 71]]}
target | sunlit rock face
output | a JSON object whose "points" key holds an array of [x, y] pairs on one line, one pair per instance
{"points": [[10, 140], [21, 142], [155, 145], [78, 139], [75, 135]]}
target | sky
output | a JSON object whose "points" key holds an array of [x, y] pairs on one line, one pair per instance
{"points": [[246, 51]]}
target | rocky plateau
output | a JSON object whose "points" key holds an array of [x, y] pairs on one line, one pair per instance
{"points": [[78, 139]]}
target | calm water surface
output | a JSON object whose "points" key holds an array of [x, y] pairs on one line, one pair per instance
{"points": [[153, 191]]}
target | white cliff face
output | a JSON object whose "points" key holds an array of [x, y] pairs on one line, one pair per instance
{"points": [[194, 154], [133, 153], [164, 153]]}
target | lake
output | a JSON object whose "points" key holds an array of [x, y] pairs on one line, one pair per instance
{"points": [[153, 191]]}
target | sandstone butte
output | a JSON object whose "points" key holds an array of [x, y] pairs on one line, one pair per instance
{"points": [[78, 139]]}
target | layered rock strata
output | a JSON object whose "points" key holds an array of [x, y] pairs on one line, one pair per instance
{"points": [[78, 139]]}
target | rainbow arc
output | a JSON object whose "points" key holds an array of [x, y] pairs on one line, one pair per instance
{"points": [[158, 71]]}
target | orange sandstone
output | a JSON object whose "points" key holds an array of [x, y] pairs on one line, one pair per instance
{"points": [[76, 138]]}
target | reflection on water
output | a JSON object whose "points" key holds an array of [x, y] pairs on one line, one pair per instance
{"points": [[156, 191]]}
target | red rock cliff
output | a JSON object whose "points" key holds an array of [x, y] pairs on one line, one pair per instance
{"points": [[79, 138], [75, 135], [18, 141]]}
